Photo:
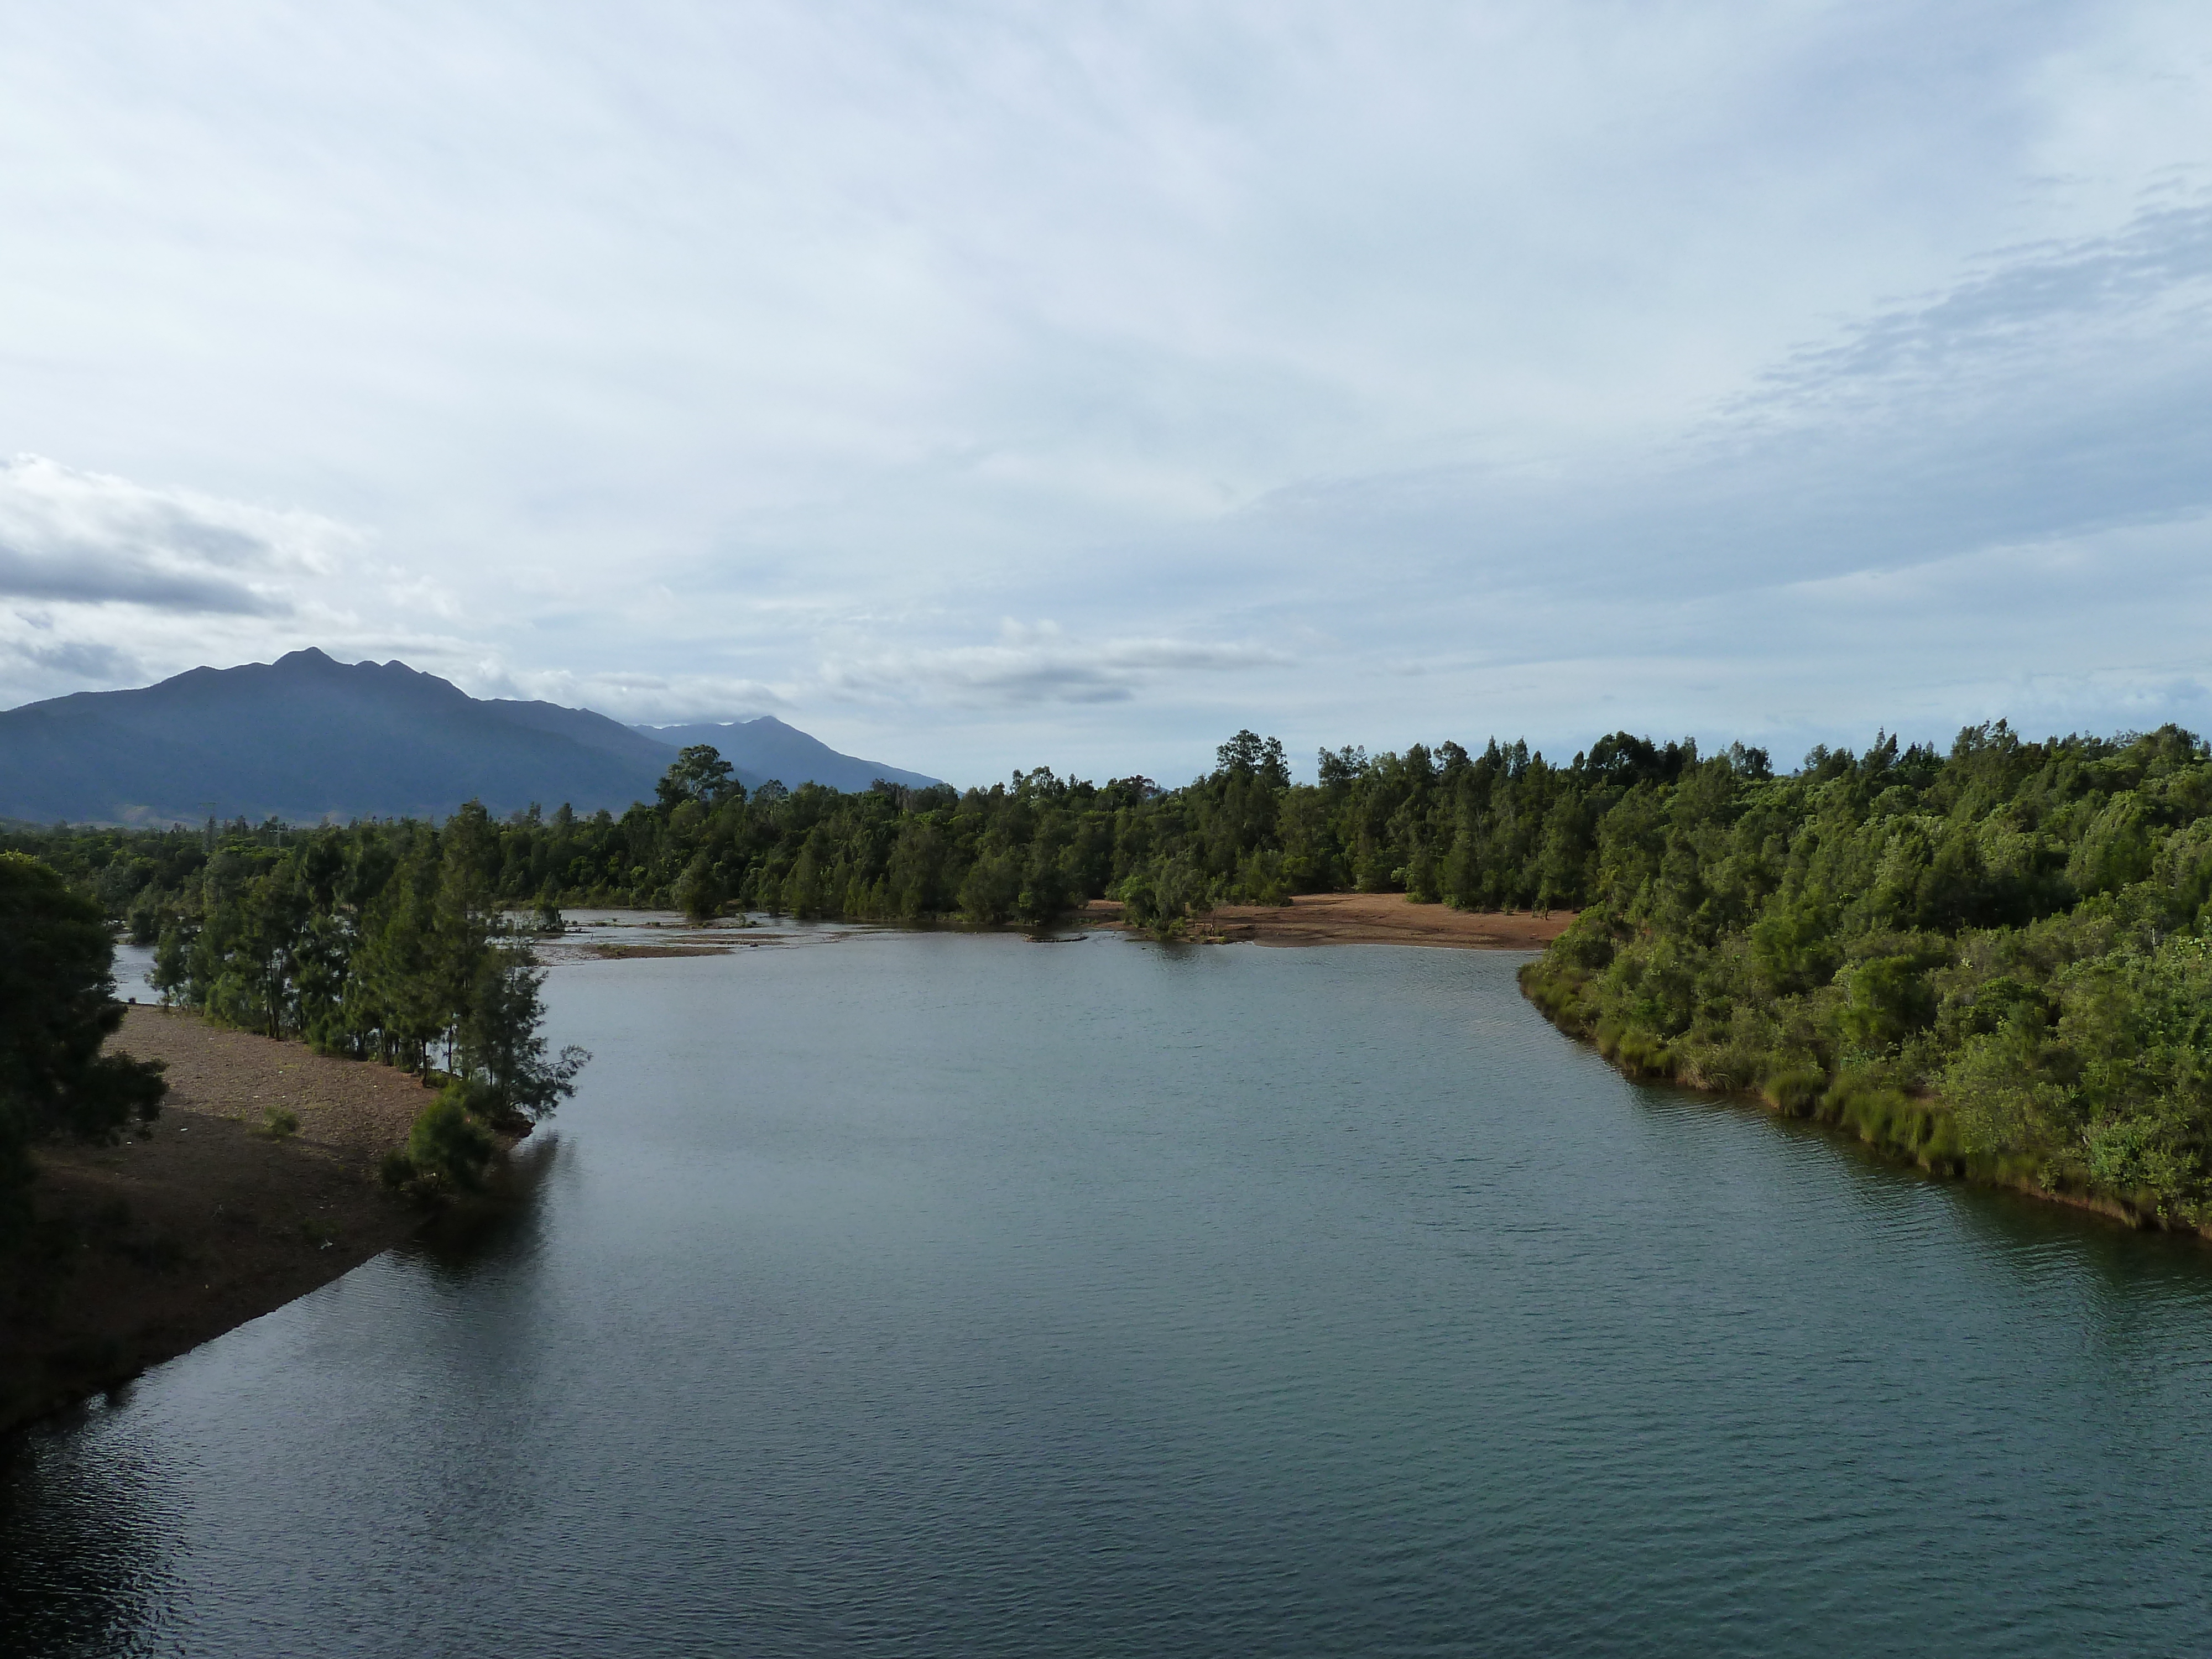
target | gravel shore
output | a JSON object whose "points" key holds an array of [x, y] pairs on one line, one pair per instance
{"points": [[1363, 919]]}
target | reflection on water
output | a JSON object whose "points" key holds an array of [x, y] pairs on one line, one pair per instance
{"points": [[505, 1222], [85, 1533], [953, 1294], [91, 1502]]}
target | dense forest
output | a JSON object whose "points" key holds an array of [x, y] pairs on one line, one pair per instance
{"points": [[1997, 961], [1992, 960]]}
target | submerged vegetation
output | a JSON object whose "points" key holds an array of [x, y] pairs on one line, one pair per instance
{"points": [[1995, 961]]}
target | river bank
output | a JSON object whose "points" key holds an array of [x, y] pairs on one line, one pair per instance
{"points": [[1359, 919], [146, 1248], [1905, 1129], [1309, 919]]}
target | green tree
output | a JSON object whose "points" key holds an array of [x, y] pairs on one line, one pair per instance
{"points": [[58, 1008], [449, 1144], [699, 889], [700, 774], [502, 1053]]}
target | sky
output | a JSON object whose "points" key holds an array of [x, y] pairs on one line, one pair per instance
{"points": [[983, 387]]}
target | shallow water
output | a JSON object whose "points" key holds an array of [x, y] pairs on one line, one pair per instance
{"points": [[950, 1294]]}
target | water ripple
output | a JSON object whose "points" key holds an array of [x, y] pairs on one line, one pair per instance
{"points": [[935, 1294]]}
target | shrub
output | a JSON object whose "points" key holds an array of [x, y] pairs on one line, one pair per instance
{"points": [[449, 1145], [698, 890]]}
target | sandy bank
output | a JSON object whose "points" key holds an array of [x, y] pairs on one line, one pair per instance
{"points": [[1363, 919], [146, 1248]]}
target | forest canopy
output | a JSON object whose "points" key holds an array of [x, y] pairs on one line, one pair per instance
{"points": [[1995, 961]]}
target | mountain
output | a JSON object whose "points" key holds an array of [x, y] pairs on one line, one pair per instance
{"points": [[305, 737], [768, 748]]}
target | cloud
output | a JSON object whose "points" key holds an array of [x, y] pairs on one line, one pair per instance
{"points": [[73, 659], [1346, 371], [88, 538], [640, 698], [1037, 663], [2003, 318], [2054, 391]]}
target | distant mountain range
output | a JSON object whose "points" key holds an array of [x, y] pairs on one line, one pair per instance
{"points": [[307, 737], [768, 748]]}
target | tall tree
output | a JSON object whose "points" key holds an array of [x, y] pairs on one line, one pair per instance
{"points": [[57, 1008]]}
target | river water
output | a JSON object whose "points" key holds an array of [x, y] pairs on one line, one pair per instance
{"points": [[944, 1294]]}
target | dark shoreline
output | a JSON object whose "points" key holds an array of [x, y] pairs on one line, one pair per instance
{"points": [[143, 1250]]}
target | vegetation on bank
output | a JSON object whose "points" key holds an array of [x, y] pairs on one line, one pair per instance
{"points": [[382, 942], [393, 940], [1994, 961]]}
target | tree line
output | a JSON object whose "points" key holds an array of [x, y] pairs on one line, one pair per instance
{"points": [[1500, 828]]}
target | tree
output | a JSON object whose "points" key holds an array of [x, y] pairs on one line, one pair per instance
{"points": [[449, 1145], [57, 1008], [172, 961], [700, 774], [699, 889], [1249, 755], [503, 1058]]}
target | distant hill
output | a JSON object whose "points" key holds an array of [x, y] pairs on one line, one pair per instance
{"points": [[767, 748], [305, 737]]}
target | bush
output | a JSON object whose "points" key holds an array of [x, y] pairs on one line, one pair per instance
{"points": [[698, 890], [449, 1145]]}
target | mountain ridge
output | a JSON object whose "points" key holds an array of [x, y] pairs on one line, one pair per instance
{"points": [[307, 738], [766, 745]]}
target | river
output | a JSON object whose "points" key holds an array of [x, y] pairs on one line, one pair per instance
{"points": [[930, 1293]]}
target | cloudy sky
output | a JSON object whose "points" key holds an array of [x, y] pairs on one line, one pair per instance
{"points": [[982, 386]]}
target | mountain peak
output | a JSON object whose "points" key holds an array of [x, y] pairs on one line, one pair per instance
{"points": [[307, 737]]}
